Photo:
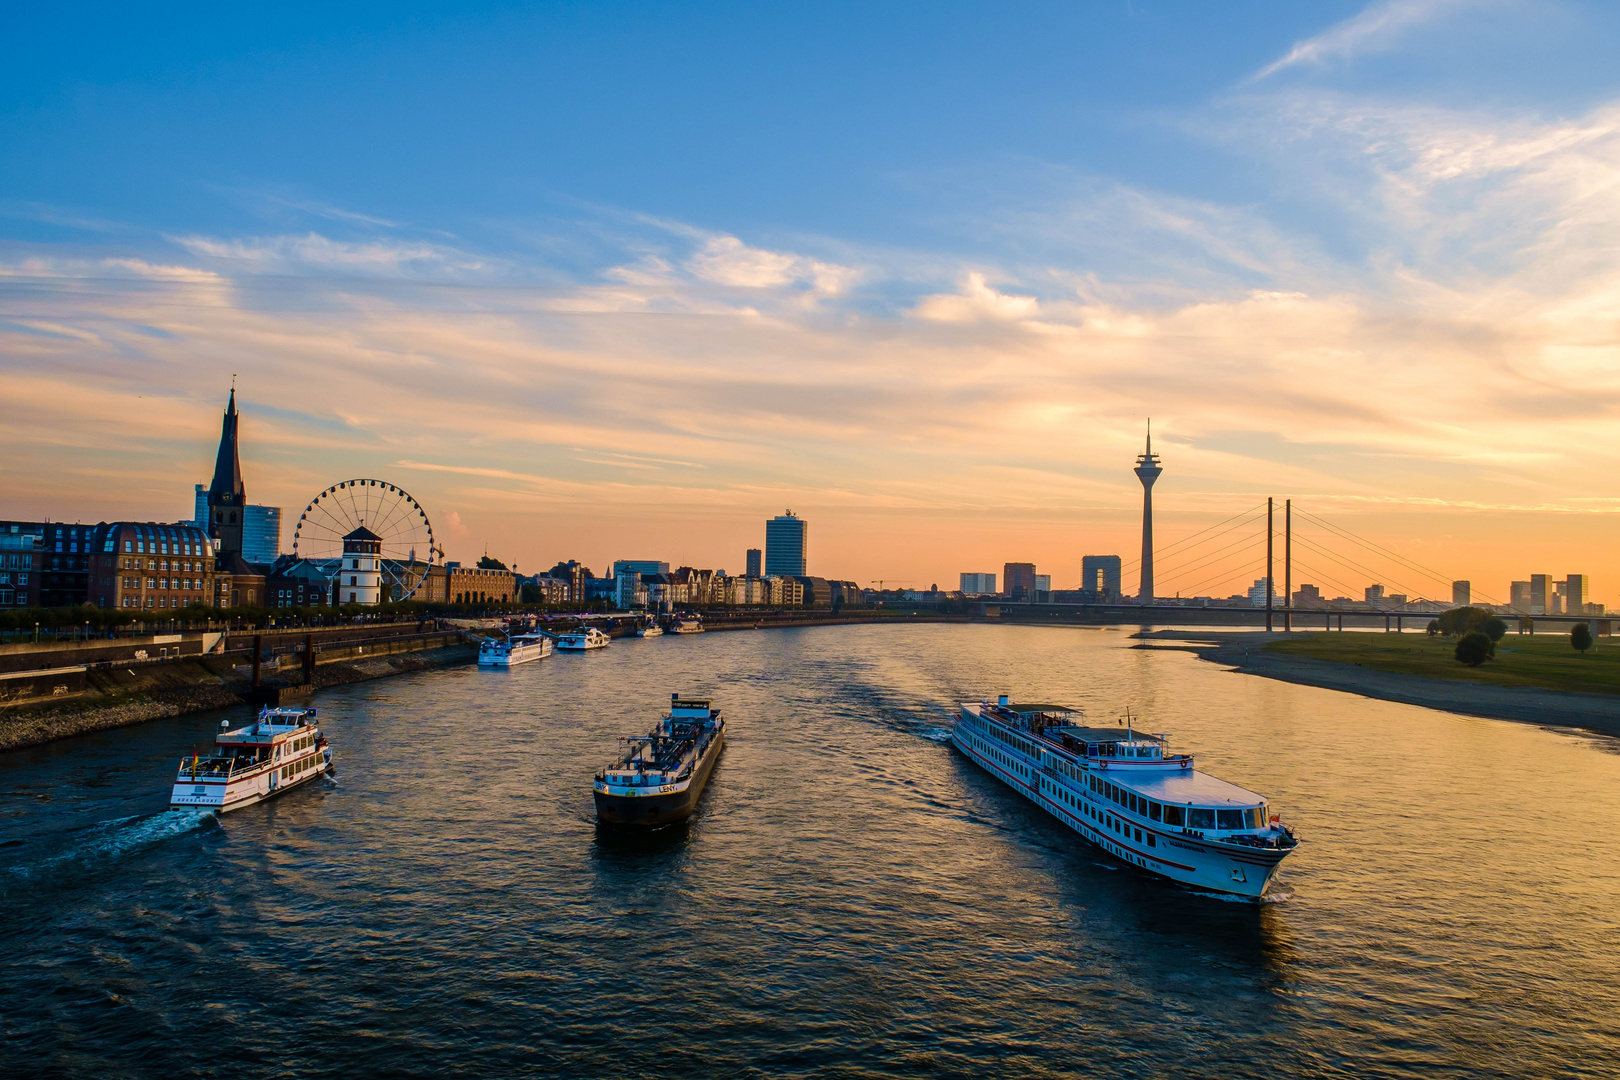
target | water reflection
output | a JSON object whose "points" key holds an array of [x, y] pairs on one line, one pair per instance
{"points": [[852, 897]]}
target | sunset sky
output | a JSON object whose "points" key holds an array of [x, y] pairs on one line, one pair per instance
{"points": [[622, 281]]}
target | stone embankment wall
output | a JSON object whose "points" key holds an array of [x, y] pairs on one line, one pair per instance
{"points": [[119, 697]]}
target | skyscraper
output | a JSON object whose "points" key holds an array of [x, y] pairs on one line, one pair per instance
{"points": [[1577, 593], [787, 542], [1147, 471], [753, 563], [1100, 576], [1462, 593], [261, 532], [1018, 580]]}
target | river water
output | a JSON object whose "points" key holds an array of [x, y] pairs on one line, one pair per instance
{"points": [[853, 898]]}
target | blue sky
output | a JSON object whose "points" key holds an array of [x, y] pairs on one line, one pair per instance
{"points": [[570, 271]]}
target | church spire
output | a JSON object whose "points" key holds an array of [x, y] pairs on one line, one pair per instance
{"points": [[228, 463]]}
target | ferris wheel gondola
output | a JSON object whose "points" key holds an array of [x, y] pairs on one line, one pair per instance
{"points": [[388, 511]]}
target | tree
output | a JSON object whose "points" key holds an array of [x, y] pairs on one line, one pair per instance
{"points": [[1462, 620], [1433, 628], [1580, 638], [1493, 628], [1473, 649], [487, 563]]}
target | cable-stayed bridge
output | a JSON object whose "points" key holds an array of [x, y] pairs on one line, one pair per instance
{"points": [[1278, 565]]}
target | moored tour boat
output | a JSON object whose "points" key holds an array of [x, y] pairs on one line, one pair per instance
{"points": [[659, 776], [281, 749], [586, 637], [514, 650], [652, 629], [1119, 789], [689, 626]]}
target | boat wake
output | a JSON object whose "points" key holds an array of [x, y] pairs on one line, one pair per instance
{"points": [[110, 840]]}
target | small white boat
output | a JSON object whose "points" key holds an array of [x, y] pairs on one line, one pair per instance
{"points": [[280, 750], [689, 626], [514, 650], [581, 640], [652, 629]]}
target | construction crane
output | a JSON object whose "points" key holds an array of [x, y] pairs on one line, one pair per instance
{"points": [[879, 582]]}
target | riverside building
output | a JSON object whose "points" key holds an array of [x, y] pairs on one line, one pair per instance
{"points": [[787, 541]]}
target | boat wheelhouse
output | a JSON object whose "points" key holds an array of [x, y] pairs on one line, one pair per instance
{"points": [[513, 650], [583, 639], [658, 777], [1122, 790], [281, 749]]}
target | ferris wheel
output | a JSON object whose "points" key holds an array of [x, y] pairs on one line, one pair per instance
{"points": [[389, 512]]}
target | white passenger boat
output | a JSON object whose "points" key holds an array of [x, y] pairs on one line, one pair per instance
{"points": [[580, 640], [652, 629], [1119, 789], [278, 751], [514, 650], [689, 626]]}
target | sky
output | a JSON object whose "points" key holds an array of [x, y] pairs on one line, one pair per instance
{"points": [[622, 281]]}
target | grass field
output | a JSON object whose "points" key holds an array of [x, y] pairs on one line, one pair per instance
{"points": [[1542, 660]]}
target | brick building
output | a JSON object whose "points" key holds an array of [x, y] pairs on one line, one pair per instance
{"points": [[22, 546], [470, 585], [147, 566]]}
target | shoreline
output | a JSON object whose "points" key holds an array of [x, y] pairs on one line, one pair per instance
{"points": [[1245, 653], [25, 729]]}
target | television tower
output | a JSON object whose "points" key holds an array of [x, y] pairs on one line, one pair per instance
{"points": [[1147, 471]]}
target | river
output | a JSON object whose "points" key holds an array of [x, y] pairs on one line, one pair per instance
{"points": [[853, 897]]}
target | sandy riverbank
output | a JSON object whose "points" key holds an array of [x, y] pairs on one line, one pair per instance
{"points": [[1246, 654]]}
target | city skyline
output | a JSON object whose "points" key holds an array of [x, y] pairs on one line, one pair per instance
{"points": [[1384, 291]]}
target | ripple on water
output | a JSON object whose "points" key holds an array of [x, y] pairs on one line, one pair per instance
{"points": [[852, 897]]}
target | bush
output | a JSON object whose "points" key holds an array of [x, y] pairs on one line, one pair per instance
{"points": [[1474, 649], [1580, 638], [1494, 628], [1433, 628]]}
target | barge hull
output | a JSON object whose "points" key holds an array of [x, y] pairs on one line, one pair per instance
{"points": [[652, 811]]}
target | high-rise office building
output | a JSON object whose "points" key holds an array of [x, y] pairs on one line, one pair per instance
{"points": [[638, 566], [1100, 576], [979, 584], [1519, 596], [787, 543], [1043, 583], [755, 564], [261, 529], [1018, 580], [1577, 593], [1462, 593], [1541, 592], [1147, 471]]}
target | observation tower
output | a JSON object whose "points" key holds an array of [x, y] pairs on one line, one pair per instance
{"points": [[1147, 471]]}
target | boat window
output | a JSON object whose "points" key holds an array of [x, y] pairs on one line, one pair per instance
{"points": [[1152, 841], [1230, 819], [1257, 817], [1199, 818], [1153, 811]]}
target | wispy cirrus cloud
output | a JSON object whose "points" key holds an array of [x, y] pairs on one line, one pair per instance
{"points": [[1378, 26]]}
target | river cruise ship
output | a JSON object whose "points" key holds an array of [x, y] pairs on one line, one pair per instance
{"points": [[691, 625], [277, 752], [1121, 790], [513, 650], [658, 777], [583, 639]]}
